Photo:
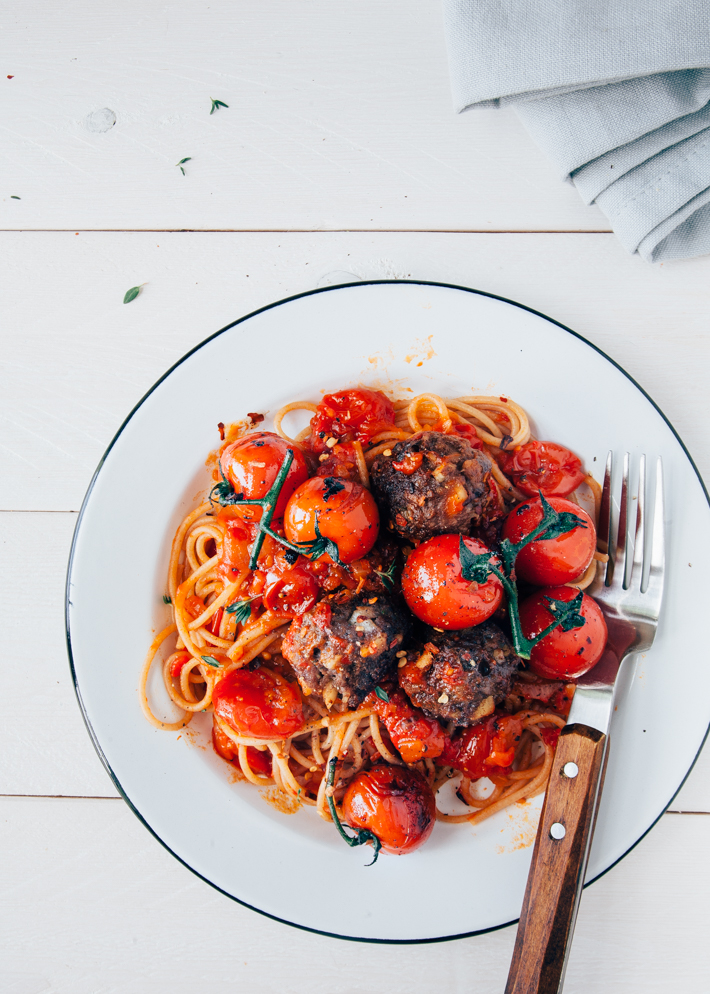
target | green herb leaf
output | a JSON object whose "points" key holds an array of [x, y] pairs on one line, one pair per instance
{"points": [[320, 546], [382, 694], [567, 614], [181, 163], [561, 522], [332, 487], [15, 197], [166, 599], [387, 576], [132, 293], [211, 661], [241, 610], [216, 104], [475, 567], [223, 493]]}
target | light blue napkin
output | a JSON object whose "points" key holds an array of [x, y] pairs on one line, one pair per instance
{"points": [[616, 92]]}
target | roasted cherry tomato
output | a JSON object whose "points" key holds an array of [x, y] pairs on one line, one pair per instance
{"points": [[178, 663], [468, 432], [486, 748], [346, 513], [395, 803], [413, 735], [548, 562], [360, 414], [562, 654], [292, 593], [251, 464], [340, 461], [437, 593], [260, 762], [542, 466], [259, 703]]}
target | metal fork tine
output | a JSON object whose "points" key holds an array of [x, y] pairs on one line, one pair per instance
{"points": [[655, 578], [604, 527], [619, 573], [636, 577]]}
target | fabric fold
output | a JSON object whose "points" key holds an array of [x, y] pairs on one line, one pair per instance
{"points": [[617, 94]]}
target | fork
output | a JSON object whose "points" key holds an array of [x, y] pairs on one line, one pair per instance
{"points": [[631, 607]]}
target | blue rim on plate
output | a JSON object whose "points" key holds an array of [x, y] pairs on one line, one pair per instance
{"points": [[90, 729]]}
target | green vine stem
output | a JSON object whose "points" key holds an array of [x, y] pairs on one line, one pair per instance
{"points": [[477, 567], [224, 494], [364, 835]]}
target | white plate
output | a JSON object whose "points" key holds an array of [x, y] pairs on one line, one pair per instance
{"points": [[394, 335]]}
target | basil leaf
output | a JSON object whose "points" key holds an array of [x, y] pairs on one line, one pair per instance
{"points": [[166, 599], [211, 661], [216, 104], [15, 197], [382, 694]]}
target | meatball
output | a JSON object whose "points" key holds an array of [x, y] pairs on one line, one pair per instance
{"points": [[432, 484], [460, 676], [347, 649]]}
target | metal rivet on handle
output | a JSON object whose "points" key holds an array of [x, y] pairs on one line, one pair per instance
{"points": [[570, 770], [557, 831]]}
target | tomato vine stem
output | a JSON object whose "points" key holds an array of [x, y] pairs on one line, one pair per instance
{"points": [[364, 835], [477, 568]]}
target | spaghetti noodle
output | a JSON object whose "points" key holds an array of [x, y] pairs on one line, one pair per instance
{"points": [[225, 619]]}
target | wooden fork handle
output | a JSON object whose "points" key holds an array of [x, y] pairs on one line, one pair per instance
{"points": [[558, 864]]}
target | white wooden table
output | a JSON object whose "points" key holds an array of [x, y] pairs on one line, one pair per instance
{"points": [[339, 151]]}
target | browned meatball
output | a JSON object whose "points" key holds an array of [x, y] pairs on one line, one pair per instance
{"points": [[347, 649], [432, 484], [460, 676]]}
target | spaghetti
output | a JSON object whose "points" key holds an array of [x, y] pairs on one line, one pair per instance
{"points": [[228, 614]]}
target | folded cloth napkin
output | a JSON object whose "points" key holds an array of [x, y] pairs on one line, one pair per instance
{"points": [[616, 92]]}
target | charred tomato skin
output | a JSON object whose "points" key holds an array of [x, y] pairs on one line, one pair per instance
{"points": [[395, 803], [550, 562], [251, 464], [359, 413], [545, 466], [563, 655], [258, 703], [345, 511], [436, 592]]}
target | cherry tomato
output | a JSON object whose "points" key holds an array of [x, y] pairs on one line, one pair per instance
{"points": [[395, 803], [437, 593], [291, 593], [260, 762], [562, 654], [178, 663], [346, 513], [413, 735], [258, 703], [542, 466], [251, 464], [548, 562], [358, 413], [486, 748], [469, 433], [341, 462]]}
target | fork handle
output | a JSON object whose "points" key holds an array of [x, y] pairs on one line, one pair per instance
{"points": [[558, 864]]}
